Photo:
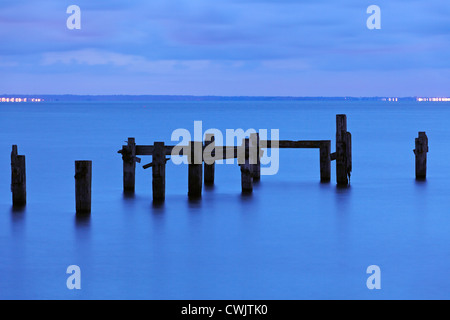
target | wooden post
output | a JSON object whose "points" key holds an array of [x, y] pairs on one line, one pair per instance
{"points": [[195, 160], [255, 156], [209, 168], [18, 179], [83, 182], [129, 165], [325, 161], [348, 153], [246, 172], [421, 156], [343, 151], [159, 172]]}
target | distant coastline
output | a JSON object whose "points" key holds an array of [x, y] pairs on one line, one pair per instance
{"points": [[87, 98]]}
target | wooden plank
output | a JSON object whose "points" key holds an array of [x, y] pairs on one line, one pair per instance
{"points": [[222, 153], [230, 152], [284, 144], [147, 150], [83, 183], [144, 150]]}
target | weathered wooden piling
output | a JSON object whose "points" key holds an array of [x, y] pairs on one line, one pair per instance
{"points": [[195, 160], [246, 170], [18, 178], [255, 156], [129, 165], [325, 161], [159, 172], [343, 151], [421, 156], [209, 168], [83, 183]]}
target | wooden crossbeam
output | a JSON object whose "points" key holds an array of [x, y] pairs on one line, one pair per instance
{"points": [[287, 144], [147, 150]]}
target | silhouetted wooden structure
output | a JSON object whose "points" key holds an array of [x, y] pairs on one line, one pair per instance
{"points": [[202, 156], [195, 160], [246, 169], [209, 168], [343, 151], [18, 178], [129, 165], [83, 183], [255, 167], [421, 150], [248, 155]]}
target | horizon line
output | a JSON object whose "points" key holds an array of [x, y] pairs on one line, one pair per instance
{"points": [[209, 95]]}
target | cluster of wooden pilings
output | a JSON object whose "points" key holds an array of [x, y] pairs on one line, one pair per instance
{"points": [[201, 157], [201, 164]]}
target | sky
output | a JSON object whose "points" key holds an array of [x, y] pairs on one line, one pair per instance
{"points": [[226, 47]]}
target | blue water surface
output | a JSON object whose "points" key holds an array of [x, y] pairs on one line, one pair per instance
{"points": [[293, 238]]}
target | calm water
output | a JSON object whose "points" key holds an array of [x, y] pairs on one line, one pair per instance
{"points": [[294, 238]]}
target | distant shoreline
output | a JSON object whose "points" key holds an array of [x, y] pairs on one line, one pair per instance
{"points": [[75, 98]]}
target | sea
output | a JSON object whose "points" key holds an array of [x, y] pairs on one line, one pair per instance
{"points": [[293, 238]]}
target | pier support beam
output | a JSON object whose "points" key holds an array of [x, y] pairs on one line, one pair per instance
{"points": [[325, 162], [246, 170], [129, 165], [209, 168], [18, 179], [343, 151], [195, 160], [83, 182], [421, 156], [255, 156], [159, 172]]}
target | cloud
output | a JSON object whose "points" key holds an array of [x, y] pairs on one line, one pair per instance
{"points": [[228, 38], [127, 62]]}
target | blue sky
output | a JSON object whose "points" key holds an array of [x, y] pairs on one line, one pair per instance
{"points": [[226, 47]]}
